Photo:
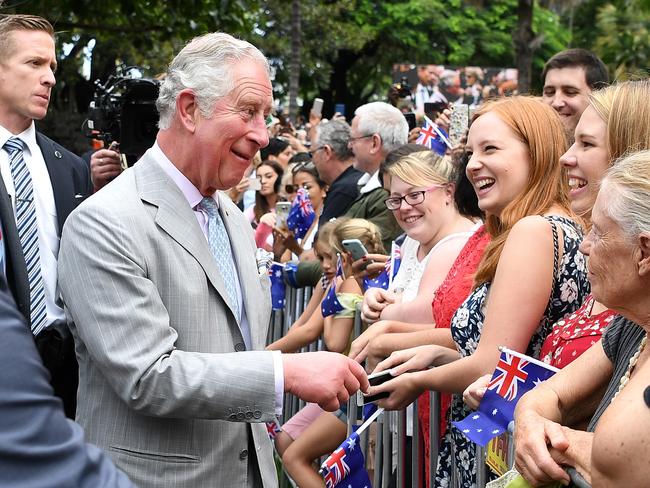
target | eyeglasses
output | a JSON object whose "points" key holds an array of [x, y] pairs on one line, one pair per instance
{"points": [[314, 151], [412, 198], [304, 166], [355, 139], [289, 188]]}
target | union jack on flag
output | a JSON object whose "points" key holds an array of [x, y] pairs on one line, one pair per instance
{"points": [[273, 429], [346, 464], [515, 374], [508, 374], [433, 137]]}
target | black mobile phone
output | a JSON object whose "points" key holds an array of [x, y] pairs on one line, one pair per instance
{"points": [[410, 118], [433, 109], [378, 379]]}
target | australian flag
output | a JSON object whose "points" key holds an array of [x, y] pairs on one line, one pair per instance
{"points": [[433, 137], [301, 215], [278, 287], [330, 304], [346, 465], [385, 278], [514, 375]]}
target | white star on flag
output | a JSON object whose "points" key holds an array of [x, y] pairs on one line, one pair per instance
{"points": [[351, 444], [465, 431], [278, 273], [479, 430], [474, 417], [496, 431], [537, 381], [495, 411]]}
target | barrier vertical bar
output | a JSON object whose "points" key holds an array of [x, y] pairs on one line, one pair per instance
{"points": [[434, 435], [415, 447], [378, 451], [401, 448], [387, 457], [480, 466]]}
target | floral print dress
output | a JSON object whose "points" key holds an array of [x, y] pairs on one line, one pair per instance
{"points": [[570, 289]]}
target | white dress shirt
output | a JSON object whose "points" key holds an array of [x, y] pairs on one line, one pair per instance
{"points": [[46, 215]]}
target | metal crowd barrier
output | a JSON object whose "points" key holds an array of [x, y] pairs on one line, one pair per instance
{"points": [[390, 450]]}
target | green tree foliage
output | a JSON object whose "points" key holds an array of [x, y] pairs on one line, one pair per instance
{"points": [[623, 41], [348, 46]]}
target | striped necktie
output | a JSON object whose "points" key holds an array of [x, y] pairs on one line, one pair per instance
{"points": [[28, 231], [221, 250]]}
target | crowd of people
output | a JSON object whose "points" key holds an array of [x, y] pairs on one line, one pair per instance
{"points": [[147, 313]]}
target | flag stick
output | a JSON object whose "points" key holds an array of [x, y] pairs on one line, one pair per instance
{"points": [[363, 427], [528, 358]]}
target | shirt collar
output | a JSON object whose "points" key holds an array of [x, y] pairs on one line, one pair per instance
{"points": [[28, 136], [191, 193], [370, 182]]}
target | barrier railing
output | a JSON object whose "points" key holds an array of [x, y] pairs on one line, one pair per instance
{"points": [[395, 455]]}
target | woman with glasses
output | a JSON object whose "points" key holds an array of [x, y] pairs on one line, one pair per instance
{"points": [[422, 201], [285, 245], [531, 274]]}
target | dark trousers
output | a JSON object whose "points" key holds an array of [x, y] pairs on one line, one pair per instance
{"points": [[56, 347]]}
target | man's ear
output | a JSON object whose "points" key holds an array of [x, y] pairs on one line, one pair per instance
{"points": [[644, 258], [187, 109]]}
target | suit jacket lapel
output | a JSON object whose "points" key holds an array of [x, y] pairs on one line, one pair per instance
{"points": [[16, 267], [176, 218], [61, 179]]}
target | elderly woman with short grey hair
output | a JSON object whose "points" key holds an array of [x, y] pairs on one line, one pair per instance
{"points": [[608, 382]]}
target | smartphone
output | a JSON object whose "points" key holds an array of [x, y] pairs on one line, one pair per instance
{"points": [[458, 123], [433, 109], [355, 248], [254, 183], [317, 107], [374, 380], [410, 119], [281, 213], [339, 108]]}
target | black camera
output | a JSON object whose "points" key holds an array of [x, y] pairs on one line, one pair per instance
{"points": [[124, 110], [403, 89]]}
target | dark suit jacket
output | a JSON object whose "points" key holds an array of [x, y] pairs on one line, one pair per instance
{"points": [[39, 447], [70, 178]]}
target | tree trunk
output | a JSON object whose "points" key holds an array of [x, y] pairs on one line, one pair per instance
{"points": [[523, 41], [294, 63]]}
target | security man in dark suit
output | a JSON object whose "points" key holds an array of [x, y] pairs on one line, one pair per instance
{"points": [[40, 184]]}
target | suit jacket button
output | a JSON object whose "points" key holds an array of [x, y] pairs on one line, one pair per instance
{"points": [[240, 346], [257, 414], [243, 454], [240, 415]]}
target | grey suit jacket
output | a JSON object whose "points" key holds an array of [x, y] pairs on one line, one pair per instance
{"points": [[163, 388]]}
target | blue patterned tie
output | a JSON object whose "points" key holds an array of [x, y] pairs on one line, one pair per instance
{"points": [[221, 250], [28, 231]]}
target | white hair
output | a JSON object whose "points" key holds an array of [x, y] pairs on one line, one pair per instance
{"points": [[627, 186], [204, 65], [385, 120]]}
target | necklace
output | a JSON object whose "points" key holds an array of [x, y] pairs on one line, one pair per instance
{"points": [[633, 360]]}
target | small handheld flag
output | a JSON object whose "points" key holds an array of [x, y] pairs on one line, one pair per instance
{"points": [[301, 215], [385, 278], [278, 288], [330, 304], [347, 464], [433, 137], [514, 375]]}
